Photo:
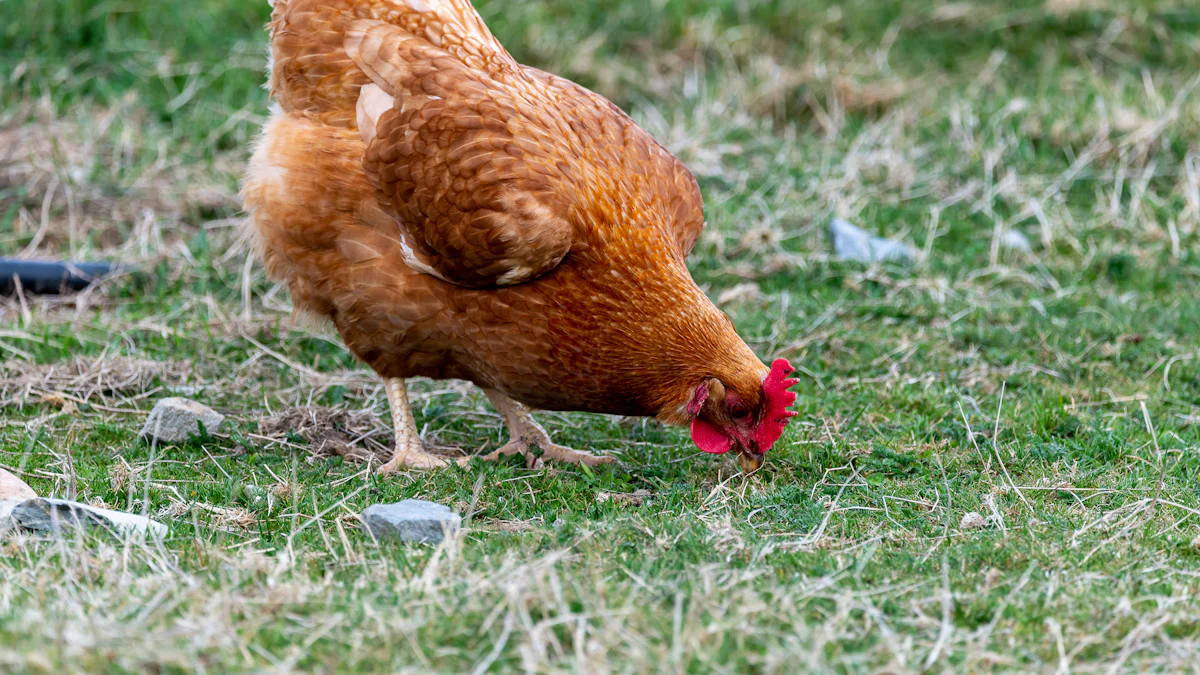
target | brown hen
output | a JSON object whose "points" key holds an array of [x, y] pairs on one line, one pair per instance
{"points": [[458, 215]]}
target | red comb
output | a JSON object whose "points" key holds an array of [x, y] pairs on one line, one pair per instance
{"points": [[779, 399]]}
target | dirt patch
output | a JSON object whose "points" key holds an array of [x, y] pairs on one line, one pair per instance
{"points": [[510, 526], [220, 516], [357, 436], [623, 498]]}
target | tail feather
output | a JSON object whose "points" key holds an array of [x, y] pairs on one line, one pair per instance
{"points": [[312, 72]]}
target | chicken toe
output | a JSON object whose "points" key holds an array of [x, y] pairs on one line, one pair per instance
{"points": [[525, 433], [410, 452]]}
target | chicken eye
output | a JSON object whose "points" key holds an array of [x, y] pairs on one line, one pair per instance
{"points": [[739, 411]]}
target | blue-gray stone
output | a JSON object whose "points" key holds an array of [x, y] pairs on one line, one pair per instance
{"points": [[413, 520], [1015, 241], [854, 243]]}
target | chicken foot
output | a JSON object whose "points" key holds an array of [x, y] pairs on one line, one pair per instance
{"points": [[524, 432], [410, 453]]}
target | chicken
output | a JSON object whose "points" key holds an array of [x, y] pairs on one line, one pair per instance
{"points": [[456, 214]]}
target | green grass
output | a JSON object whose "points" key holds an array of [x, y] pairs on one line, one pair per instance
{"points": [[1056, 392]]}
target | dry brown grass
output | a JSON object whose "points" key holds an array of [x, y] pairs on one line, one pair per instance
{"points": [[89, 191], [106, 381]]}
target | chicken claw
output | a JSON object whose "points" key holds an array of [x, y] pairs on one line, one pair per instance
{"points": [[410, 452], [525, 432], [417, 460]]}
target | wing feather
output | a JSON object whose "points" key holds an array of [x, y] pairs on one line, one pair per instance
{"points": [[476, 202], [490, 172]]}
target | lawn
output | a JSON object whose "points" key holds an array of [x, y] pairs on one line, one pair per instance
{"points": [[1052, 390]]}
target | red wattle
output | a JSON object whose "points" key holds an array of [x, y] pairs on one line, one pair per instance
{"points": [[709, 438]]}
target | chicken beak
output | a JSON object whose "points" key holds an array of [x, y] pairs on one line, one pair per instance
{"points": [[750, 461]]}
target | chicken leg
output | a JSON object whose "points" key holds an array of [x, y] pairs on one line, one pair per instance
{"points": [[410, 452], [524, 432]]}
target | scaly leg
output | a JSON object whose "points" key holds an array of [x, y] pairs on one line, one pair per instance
{"points": [[409, 452], [524, 432]]}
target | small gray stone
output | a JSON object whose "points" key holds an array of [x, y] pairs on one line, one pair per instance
{"points": [[1015, 241], [51, 515], [176, 419], [973, 520], [413, 520], [854, 243]]}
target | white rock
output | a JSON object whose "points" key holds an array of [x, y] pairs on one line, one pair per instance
{"points": [[413, 520], [973, 520], [854, 243], [1015, 241], [12, 487], [176, 419], [6, 521], [51, 515]]}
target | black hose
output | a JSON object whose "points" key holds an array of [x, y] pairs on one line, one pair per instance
{"points": [[51, 276]]}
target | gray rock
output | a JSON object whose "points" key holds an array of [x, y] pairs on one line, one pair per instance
{"points": [[176, 419], [413, 520], [973, 520], [52, 515], [1015, 241], [854, 243], [12, 487]]}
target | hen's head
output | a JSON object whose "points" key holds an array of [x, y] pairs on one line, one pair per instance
{"points": [[750, 419]]}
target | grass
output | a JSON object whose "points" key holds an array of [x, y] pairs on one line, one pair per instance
{"points": [[1055, 392]]}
